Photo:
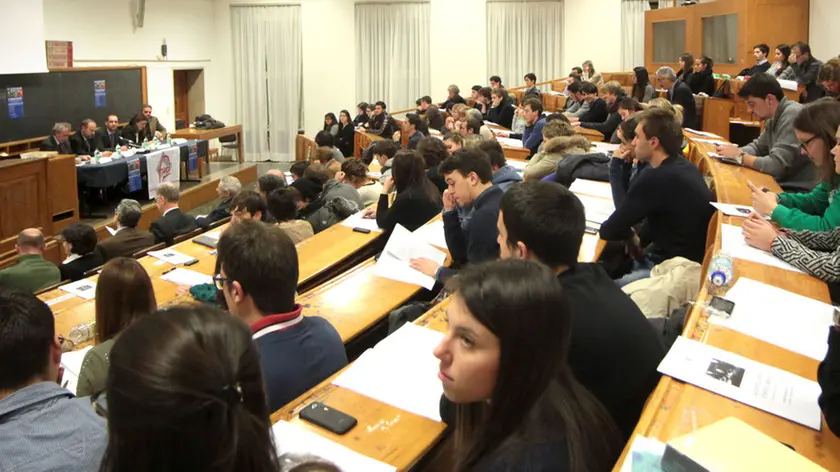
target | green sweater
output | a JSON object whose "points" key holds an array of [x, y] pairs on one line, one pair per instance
{"points": [[32, 273], [815, 211], [95, 370]]}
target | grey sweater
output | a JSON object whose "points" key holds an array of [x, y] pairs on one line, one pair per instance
{"points": [[778, 153]]}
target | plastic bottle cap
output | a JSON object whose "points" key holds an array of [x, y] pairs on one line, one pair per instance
{"points": [[718, 278]]}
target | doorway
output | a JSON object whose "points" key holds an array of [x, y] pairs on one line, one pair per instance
{"points": [[189, 95]]}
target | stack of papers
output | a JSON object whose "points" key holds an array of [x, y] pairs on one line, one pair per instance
{"points": [[703, 133], [402, 247], [356, 221], [81, 288], [729, 209], [733, 243], [712, 141], [591, 187], [72, 363], [294, 439], [605, 147], [517, 143], [170, 256], [401, 371], [744, 380], [598, 210], [187, 277], [796, 323], [518, 165]]}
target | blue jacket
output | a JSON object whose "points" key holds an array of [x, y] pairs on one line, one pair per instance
{"points": [[533, 137], [505, 177], [477, 243]]}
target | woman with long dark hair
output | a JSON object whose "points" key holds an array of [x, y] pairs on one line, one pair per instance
{"points": [[781, 68], [362, 116], [331, 124], [345, 133], [417, 200], [124, 293], [686, 66], [643, 90], [185, 392], [517, 404]]}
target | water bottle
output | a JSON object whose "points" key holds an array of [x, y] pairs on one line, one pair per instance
{"points": [[117, 154], [82, 333], [168, 141], [96, 156], [720, 275]]}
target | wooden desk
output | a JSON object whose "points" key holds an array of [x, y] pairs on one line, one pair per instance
{"points": [[304, 147], [361, 140], [675, 407], [24, 199], [208, 134]]}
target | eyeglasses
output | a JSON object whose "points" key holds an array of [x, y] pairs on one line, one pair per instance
{"points": [[220, 281], [804, 146]]}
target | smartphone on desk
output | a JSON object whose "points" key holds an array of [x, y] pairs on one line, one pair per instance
{"points": [[328, 418]]}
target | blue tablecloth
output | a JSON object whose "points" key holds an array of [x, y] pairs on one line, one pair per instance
{"points": [[116, 172]]}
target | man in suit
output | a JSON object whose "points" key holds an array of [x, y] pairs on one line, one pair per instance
{"points": [[153, 126], [84, 142], [59, 140], [128, 239], [108, 138], [172, 221], [229, 187], [807, 70], [760, 51], [679, 93], [32, 272]]}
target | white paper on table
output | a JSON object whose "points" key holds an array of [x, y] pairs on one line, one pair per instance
{"points": [[785, 319], [642, 445], [401, 370], [605, 147], [374, 175], [111, 231], [291, 438], [703, 133], [433, 234], [171, 256], [81, 288], [72, 363], [104, 160], [490, 123], [733, 243], [591, 187], [789, 84], [712, 141], [518, 165], [187, 277], [598, 210], [356, 221], [179, 141], [402, 246], [517, 143], [744, 380], [60, 299], [729, 209]]}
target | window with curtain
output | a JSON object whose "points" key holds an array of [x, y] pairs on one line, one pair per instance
{"points": [[633, 33], [268, 79], [525, 37], [392, 53]]}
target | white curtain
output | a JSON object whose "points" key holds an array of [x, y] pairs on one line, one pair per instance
{"points": [[267, 79], [633, 33], [392, 53], [525, 37], [667, 3]]}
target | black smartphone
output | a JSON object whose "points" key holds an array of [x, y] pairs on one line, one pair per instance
{"points": [[722, 305], [590, 230], [191, 262], [361, 230], [328, 418]]}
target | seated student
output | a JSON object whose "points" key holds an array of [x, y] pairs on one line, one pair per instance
{"points": [[676, 110], [590, 75], [597, 112], [806, 69], [453, 142], [643, 90], [578, 106], [495, 82], [325, 139], [206, 369], [501, 110], [776, 151], [760, 51], [383, 153], [246, 206], [84, 142], [453, 97], [124, 293], [172, 221], [679, 93], [703, 79], [504, 175], [411, 128], [457, 118], [128, 240], [229, 187], [534, 416], [354, 173], [334, 188], [59, 140], [674, 226], [324, 156], [475, 118], [258, 275], [560, 141], [346, 134], [686, 61], [626, 108], [434, 118], [79, 243], [43, 427], [829, 77], [474, 94], [381, 124], [136, 131], [531, 86], [323, 207], [284, 205], [433, 151], [828, 376], [614, 352], [268, 183], [470, 179], [361, 115], [781, 69], [297, 169], [483, 99], [532, 109], [624, 167], [815, 128], [613, 93], [331, 124], [31, 272], [417, 200]]}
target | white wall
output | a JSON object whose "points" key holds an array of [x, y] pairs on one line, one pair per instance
{"points": [[459, 53], [593, 32], [22, 51], [823, 30]]}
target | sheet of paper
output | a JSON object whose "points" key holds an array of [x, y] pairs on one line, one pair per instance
{"points": [[510, 142], [433, 234], [374, 175], [72, 363], [604, 147], [732, 243], [518, 165], [598, 210], [401, 371], [402, 246], [187, 277], [105, 160], [729, 209], [81, 288], [796, 323], [744, 380], [171, 256], [643, 451], [703, 133], [591, 187], [60, 299], [789, 84], [712, 141], [111, 231], [294, 439], [356, 221]]}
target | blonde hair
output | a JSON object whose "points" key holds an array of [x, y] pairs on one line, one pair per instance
{"points": [[612, 87], [471, 140], [557, 128], [660, 102], [459, 112]]}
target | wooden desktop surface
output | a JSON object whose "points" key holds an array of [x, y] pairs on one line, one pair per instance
{"points": [[675, 408], [208, 134]]}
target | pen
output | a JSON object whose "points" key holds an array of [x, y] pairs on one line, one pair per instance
{"points": [[66, 382], [168, 271]]}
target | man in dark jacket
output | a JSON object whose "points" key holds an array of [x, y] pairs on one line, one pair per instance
{"points": [[127, 240], [59, 140], [613, 94], [172, 222], [679, 93], [108, 138], [504, 175], [229, 187], [453, 99], [84, 142], [381, 124], [807, 70], [762, 65], [703, 79], [828, 376]]}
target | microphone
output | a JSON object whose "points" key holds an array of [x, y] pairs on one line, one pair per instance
{"points": [[132, 143]]}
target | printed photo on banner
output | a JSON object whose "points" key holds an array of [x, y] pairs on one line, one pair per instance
{"points": [[99, 93]]}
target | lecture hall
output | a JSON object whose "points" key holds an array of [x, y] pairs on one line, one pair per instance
{"points": [[420, 235]]}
